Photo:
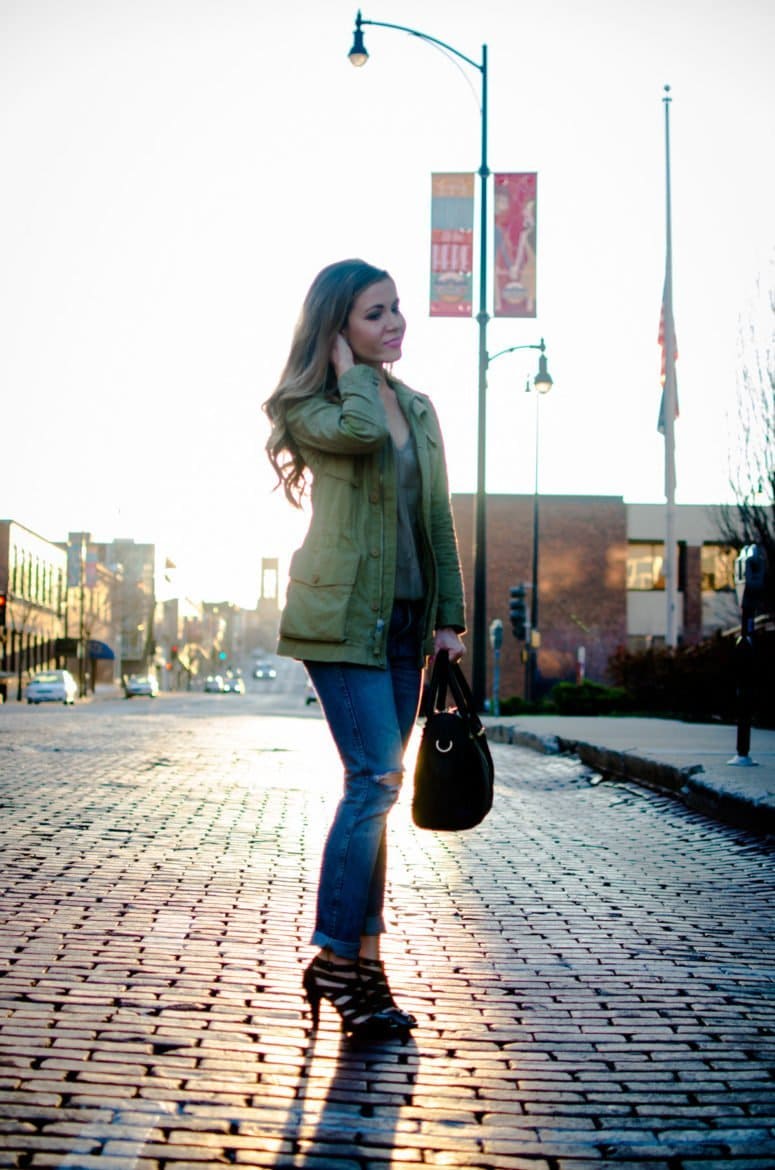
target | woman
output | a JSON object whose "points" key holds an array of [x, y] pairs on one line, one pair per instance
{"points": [[374, 588]]}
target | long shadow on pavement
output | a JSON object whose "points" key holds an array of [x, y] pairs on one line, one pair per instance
{"points": [[347, 1101]]}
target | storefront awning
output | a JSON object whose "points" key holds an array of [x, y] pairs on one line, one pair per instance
{"points": [[99, 650]]}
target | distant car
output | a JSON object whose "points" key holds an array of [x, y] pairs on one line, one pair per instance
{"points": [[214, 684], [264, 670], [234, 685], [52, 686], [140, 684]]}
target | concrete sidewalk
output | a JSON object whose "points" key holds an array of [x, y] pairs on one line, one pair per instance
{"points": [[690, 760]]}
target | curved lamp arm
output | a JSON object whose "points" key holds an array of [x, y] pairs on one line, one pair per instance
{"points": [[358, 54], [512, 348]]}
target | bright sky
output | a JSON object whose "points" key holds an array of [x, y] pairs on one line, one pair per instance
{"points": [[177, 171]]}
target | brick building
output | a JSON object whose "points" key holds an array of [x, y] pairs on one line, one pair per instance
{"points": [[600, 581], [582, 578]]}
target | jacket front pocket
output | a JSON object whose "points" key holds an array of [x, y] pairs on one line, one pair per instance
{"points": [[319, 591]]}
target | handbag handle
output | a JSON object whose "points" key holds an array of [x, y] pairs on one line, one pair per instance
{"points": [[448, 674], [437, 690]]}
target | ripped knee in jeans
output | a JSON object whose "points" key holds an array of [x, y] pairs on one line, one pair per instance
{"points": [[391, 779]]}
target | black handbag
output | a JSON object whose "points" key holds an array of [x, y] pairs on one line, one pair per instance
{"points": [[453, 777]]}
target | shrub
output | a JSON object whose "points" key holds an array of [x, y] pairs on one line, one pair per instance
{"points": [[698, 682], [515, 706], [589, 698]]}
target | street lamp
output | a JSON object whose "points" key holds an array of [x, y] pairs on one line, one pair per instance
{"points": [[359, 56], [542, 383]]}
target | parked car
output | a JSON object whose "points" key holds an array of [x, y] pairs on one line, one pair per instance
{"points": [[140, 684], [214, 684], [234, 685], [52, 686], [264, 670]]}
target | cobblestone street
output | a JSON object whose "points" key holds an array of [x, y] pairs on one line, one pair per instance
{"points": [[592, 969]]}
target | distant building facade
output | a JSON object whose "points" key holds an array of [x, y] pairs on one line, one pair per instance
{"points": [[33, 605], [600, 578]]}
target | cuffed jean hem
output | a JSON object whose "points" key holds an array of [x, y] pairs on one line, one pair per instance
{"points": [[347, 950]]}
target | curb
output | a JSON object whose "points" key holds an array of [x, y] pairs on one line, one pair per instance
{"points": [[689, 784]]}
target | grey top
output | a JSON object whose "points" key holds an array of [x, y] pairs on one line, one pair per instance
{"points": [[409, 582]]}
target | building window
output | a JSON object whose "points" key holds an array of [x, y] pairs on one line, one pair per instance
{"points": [[645, 565], [718, 568]]}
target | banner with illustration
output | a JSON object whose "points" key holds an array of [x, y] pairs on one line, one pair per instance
{"points": [[515, 245], [452, 245]]}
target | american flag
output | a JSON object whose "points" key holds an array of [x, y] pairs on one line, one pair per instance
{"points": [[667, 371]]}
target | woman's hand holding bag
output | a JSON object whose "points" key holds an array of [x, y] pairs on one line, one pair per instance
{"points": [[453, 778]]}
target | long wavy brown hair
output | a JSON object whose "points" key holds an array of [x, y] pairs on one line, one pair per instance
{"points": [[308, 369]]}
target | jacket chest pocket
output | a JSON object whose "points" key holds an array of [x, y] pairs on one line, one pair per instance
{"points": [[321, 585]]}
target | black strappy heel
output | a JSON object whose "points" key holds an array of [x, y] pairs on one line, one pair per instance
{"points": [[379, 996], [342, 986]]}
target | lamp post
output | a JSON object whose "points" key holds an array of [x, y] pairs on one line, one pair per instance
{"points": [[359, 56], [542, 383], [543, 386]]}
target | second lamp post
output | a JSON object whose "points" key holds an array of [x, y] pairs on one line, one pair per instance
{"points": [[542, 384]]}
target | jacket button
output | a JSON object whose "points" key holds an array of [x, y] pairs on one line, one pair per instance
{"points": [[375, 606], [374, 552], [374, 497]]}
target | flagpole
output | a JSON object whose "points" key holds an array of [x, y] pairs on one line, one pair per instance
{"points": [[669, 406]]}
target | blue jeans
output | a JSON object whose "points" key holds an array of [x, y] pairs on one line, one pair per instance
{"points": [[371, 713]]}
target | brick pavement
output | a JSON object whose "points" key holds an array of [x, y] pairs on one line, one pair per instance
{"points": [[592, 969]]}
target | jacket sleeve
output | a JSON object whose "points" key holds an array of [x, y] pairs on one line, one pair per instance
{"points": [[450, 611], [355, 425]]}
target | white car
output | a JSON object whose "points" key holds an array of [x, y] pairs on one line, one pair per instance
{"points": [[141, 684], [52, 686]]}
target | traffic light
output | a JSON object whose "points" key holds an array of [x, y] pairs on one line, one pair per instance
{"points": [[3, 609], [173, 652], [517, 611]]}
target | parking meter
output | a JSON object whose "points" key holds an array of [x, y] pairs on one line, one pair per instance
{"points": [[496, 641], [496, 633], [750, 575]]}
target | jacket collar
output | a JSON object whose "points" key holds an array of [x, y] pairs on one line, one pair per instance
{"points": [[410, 399]]}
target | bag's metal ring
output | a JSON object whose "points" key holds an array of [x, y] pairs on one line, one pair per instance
{"points": [[444, 751]]}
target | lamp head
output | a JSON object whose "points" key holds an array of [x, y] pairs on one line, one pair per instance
{"points": [[543, 381], [358, 53]]}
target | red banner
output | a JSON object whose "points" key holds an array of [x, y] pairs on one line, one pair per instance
{"points": [[515, 245], [452, 245]]}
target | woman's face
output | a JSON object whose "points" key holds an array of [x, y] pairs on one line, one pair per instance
{"points": [[375, 328]]}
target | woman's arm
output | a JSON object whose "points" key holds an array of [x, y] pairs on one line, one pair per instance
{"points": [[354, 425]]}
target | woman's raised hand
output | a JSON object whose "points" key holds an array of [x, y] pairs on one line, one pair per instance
{"points": [[341, 355]]}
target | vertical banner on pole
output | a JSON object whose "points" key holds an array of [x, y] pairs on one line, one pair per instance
{"points": [[515, 245], [91, 568], [452, 240]]}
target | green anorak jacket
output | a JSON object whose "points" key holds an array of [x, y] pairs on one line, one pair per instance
{"points": [[342, 578]]}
